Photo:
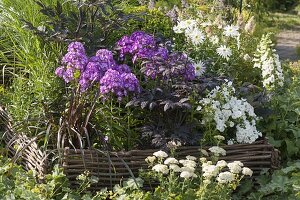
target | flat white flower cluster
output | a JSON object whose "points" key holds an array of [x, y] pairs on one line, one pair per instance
{"points": [[221, 172], [217, 151], [268, 62], [226, 110], [185, 167], [216, 172]]}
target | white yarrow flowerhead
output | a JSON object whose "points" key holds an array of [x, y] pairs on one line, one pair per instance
{"points": [[191, 158], [224, 52], [221, 163], [203, 159], [160, 168], [171, 161], [231, 31], [234, 167], [219, 137], [217, 151], [247, 171], [160, 154], [199, 68], [175, 168], [210, 171], [225, 177], [150, 159], [188, 169], [187, 175], [188, 163]]}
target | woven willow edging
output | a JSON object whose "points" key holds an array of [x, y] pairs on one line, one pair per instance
{"points": [[23, 149], [112, 167]]}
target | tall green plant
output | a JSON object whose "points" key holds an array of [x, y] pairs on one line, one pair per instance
{"points": [[30, 61]]}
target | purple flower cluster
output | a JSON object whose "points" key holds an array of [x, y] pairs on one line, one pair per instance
{"points": [[101, 68], [74, 61], [118, 83], [137, 44], [160, 63]]}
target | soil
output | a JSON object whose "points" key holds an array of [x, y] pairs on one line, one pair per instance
{"points": [[287, 41]]}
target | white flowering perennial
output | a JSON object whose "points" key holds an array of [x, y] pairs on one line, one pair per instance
{"points": [[217, 151], [224, 52], [199, 68], [191, 30], [171, 165], [225, 110], [211, 172], [268, 62], [160, 154], [231, 31]]}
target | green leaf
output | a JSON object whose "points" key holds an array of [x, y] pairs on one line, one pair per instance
{"points": [[289, 169], [291, 148], [275, 143]]}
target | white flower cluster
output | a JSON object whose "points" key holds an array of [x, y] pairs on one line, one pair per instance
{"points": [[190, 29], [216, 171], [216, 150], [226, 111], [185, 167], [194, 33], [268, 62]]}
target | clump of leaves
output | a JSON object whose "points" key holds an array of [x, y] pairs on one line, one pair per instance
{"points": [[281, 125], [16, 183], [283, 184], [90, 21]]}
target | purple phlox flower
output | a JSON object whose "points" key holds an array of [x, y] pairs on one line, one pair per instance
{"points": [[60, 71], [75, 60], [104, 54], [76, 47], [118, 83], [138, 45], [131, 83], [69, 75], [96, 68], [123, 68], [111, 82]]}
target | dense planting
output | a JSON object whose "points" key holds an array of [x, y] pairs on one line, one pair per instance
{"points": [[137, 75]]}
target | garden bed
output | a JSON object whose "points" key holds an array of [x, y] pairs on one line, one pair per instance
{"points": [[112, 167]]}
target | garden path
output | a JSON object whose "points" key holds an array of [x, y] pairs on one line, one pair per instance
{"points": [[287, 42]]}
